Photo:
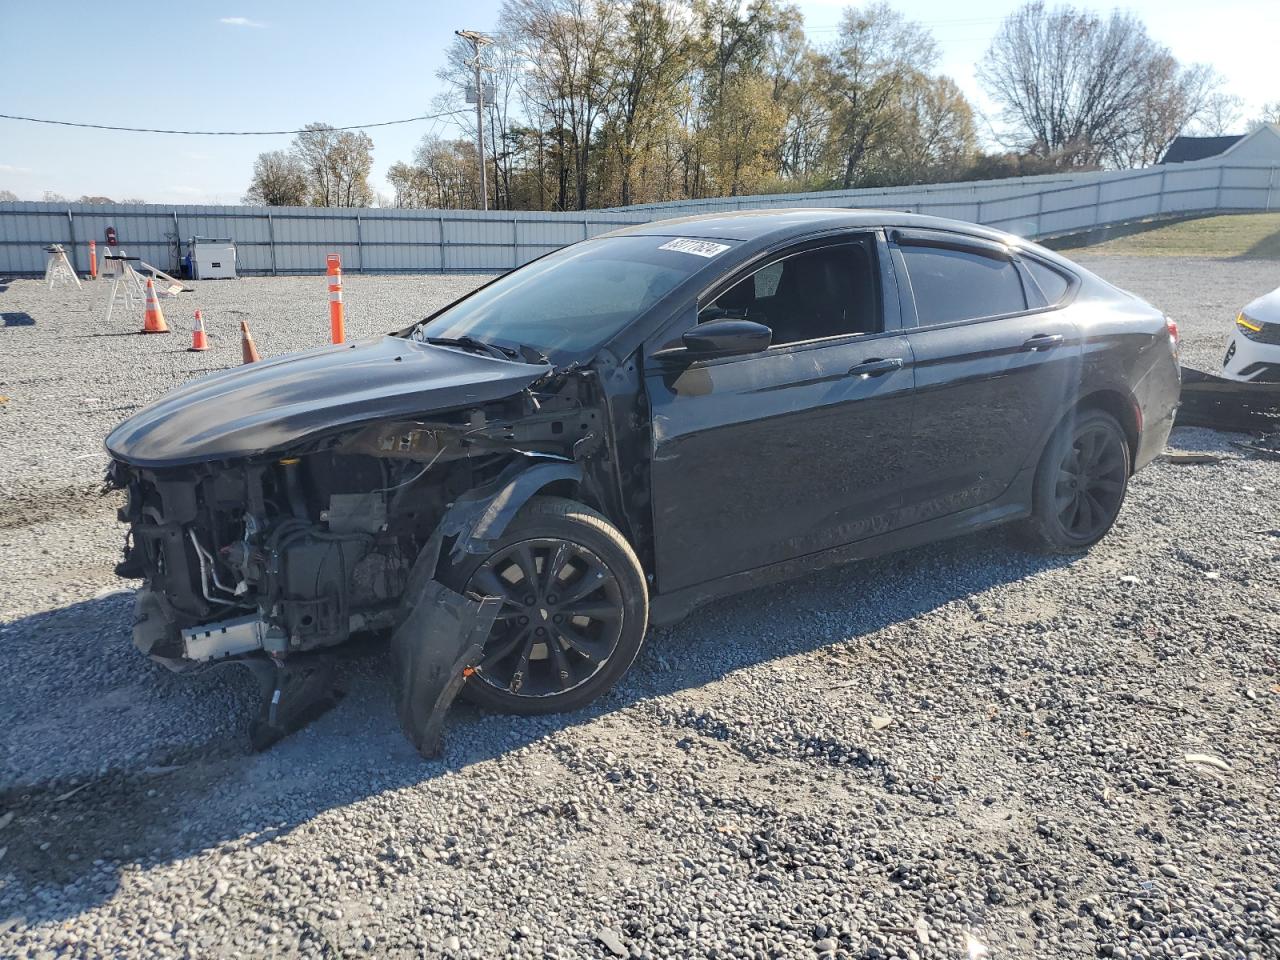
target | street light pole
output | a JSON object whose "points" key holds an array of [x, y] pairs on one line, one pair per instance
{"points": [[478, 40]]}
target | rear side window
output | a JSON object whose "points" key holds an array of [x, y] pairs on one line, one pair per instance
{"points": [[951, 285], [1053, 284]]}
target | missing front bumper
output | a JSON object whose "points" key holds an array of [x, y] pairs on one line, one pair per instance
{"points": [[432, 651]]}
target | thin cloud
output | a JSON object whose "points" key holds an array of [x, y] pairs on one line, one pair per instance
{"points": [[242, 22], [10, 168]]}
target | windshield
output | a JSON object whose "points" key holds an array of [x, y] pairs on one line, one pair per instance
{"points": [[572, 301]]}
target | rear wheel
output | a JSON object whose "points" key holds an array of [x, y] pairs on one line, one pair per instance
{"points": [[574, 609], [1080, 483]]}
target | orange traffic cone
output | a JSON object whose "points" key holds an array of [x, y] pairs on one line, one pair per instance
{"points": [[153, 319], [198, 339], [248, 348]]}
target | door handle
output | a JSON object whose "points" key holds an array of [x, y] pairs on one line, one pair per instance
{"points": [[875, 368], [1043, 341]]}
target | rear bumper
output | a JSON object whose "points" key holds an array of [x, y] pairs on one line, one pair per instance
{"points": [[1156, 396], [1152, 440]]}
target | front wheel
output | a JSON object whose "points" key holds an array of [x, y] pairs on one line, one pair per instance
{"points": [[1080, 483], [574, 609]]}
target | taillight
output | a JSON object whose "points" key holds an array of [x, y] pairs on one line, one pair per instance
{"points": [[1172, 326]]}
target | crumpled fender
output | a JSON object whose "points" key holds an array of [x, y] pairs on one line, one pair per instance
{"points": [[479, 517], [440, 634]]}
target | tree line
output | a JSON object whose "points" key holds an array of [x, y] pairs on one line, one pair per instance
{"points": [[592, 103]]}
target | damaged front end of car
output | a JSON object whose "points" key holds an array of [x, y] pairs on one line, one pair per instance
{"points": [[274, 558]]}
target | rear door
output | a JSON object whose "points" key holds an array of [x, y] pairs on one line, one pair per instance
{"points": [[995, 365], [763, 458]]}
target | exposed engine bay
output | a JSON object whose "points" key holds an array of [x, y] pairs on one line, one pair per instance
{"points": [[298, 550]]}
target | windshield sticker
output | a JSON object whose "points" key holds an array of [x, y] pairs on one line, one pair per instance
{"points": [[699, 248]]}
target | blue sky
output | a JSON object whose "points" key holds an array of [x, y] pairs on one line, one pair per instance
{"points": [[239, 65]]}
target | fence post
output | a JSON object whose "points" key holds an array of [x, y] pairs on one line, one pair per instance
{"points": [[1217, 197], [586, 233], [441, 219], [271, 240], [1164, 174], [1039, 213], [360, 242], [515, 242], [1271, 180], [71, 229]]}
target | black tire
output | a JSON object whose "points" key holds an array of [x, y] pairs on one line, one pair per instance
{"points": [[563, 660], [1080, 483]]}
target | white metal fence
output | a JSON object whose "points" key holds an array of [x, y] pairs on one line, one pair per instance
{"points": [[294, 240]]}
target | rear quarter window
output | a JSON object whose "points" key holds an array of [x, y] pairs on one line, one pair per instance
{"points": [[951, 285], [1053, 283]]}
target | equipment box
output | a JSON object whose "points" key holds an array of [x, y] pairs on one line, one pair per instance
{"points": [[211, 258]]}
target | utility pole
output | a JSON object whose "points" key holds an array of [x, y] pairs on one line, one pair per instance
{"points": [[478, 40]]}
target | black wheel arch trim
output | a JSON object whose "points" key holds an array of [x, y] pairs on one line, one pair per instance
{"points": [[480, 516]]}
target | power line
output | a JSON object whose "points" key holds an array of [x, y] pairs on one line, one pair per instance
{"points": [[226, 133]]}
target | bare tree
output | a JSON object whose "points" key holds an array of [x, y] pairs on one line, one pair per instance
{"points": [[1221, 115], [442, 175], [8, 196], [648, 64], [1071, 83], [568, 46], [1172, 99], [337, 165], [502, 67], [935, 137], [1270, 115], [799, 86], [279, 180], [879, 54]]}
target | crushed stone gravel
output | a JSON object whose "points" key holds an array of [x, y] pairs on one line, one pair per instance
{"points": [[958, 749]]}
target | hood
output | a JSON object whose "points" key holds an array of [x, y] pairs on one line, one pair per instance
{"points": [[272, 403]]}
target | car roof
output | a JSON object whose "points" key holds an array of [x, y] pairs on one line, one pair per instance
{"points": [[747, 225]]}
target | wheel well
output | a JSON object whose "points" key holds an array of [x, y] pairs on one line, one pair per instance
{"points": [[568, 489], [1119, 406]]}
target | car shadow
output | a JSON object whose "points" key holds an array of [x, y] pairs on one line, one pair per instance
{"points": [[149, 803]]}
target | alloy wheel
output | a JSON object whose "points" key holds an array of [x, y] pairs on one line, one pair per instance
{"points": [[1090, 485], [560, 621]]}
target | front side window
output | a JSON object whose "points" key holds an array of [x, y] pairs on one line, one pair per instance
{"points": [[570, 303], [813, 295], [951, 285]]}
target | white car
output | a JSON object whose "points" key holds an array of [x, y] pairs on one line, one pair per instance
{"points": [[1253, 350]]}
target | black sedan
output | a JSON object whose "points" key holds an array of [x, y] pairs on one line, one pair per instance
{"points": [[517, 486]]}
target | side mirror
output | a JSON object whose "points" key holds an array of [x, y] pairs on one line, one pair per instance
{"points": [[726, 338]]}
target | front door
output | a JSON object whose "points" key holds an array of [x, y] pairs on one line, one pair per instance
{"points": [[767, 457]]}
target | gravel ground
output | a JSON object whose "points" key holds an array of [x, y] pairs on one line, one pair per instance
{"points": [[961, 748]]}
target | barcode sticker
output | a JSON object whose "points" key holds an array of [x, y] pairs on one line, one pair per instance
{"points": [[699, 248]]}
